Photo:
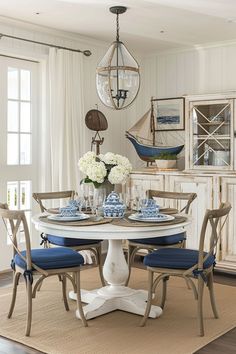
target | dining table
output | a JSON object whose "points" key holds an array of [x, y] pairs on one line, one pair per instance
{"points": [[115, 295]]}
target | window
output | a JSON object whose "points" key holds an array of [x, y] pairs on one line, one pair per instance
{"points": [[19, 197], [19, 117]]}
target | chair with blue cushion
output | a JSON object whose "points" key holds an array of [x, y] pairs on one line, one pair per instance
{"points": [[44, 263], [95, 246], [189, 264], [151, 244]]}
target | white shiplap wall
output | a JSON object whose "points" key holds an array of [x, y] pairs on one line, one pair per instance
{"points": [[166, 74], [201, 70]]}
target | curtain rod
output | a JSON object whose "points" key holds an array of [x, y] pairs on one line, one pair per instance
{"points": [[12, 57], [87, 53]]}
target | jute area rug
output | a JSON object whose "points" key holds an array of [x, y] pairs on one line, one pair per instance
{"points": [[56, 331]]}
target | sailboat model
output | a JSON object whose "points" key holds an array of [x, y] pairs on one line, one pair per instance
{"points": [[142, 136]]}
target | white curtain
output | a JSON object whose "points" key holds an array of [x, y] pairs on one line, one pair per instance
{"points": [[66, 115]]}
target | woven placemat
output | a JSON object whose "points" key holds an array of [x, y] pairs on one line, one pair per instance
{"points": [[88, 222], [130, 223]]}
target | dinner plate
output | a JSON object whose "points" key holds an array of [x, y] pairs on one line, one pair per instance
{"points": [[159, 218], [59, 217]]}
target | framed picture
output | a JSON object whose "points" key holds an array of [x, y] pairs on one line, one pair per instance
{"points": [[168, 113]]}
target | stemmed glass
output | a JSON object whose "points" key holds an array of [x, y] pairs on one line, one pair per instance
{"points": [[92, 204], [136, 197], [126, 197], [80, 202], [99, 196], [85, 188]]}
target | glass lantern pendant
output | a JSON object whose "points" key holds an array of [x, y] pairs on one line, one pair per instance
{"points": [[117, 75]]}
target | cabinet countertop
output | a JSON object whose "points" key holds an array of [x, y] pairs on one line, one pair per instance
{"points": [[155, 171]]}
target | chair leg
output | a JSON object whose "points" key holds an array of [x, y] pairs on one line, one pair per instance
{"points": [[131, 254], [29, 306], [192, 286], [37, 285], [75, 282], [16, 277], [164, 291], [187, 283], [149, 300], [99, 262], [72, 280], [200, 305], [79, 304], [210, 285], [46, 244], [40, 285], [63, 283]]}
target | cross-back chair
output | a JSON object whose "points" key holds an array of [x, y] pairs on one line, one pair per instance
{"points": [[95, 246], [151, 244], [189, 264], [42, 262]]}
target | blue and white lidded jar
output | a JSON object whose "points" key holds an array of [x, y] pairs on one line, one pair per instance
{"points": [[149, 208], [113, 207]]}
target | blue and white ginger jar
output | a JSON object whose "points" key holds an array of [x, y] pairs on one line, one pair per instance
{"points": [[149, 208], [113, 207]]}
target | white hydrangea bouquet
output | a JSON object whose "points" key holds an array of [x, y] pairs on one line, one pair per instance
{"points": [[100, 169]]}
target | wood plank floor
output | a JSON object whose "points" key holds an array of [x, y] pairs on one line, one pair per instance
{"points": [[225, 344]]}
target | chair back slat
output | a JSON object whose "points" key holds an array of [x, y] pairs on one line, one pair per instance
{"points": [[16, 219], [40, 197], [189, 197], [212, 217]]}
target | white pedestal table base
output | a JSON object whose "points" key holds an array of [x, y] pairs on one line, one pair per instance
{"points": [[134, 302], [115, 296]]}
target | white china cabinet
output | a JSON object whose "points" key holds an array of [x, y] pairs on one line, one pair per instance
{"points": [[210, 132], [210, 168]]}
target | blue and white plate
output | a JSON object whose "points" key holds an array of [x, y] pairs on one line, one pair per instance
{"points": [[77, 217], [157, 218]]}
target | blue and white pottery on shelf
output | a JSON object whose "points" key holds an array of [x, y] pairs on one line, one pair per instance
{"points": [[113, 207]]}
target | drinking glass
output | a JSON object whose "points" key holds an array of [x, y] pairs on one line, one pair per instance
{"points": [[126, 197], [99, 198], [86, 192], [80, 202], [93, 204], [137, 196]]}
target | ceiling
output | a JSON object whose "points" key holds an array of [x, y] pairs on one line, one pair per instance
{"points": [[147, 26]]}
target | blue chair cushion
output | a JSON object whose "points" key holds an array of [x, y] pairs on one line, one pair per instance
{"points": [[176, 258], [162, 241], [69, 242], [51, 258]]}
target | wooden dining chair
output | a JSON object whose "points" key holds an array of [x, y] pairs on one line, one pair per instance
{"points": [[44, 262], [153, 243], [189, 264], [95, 246]]}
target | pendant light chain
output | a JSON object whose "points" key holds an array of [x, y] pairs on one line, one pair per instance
{"points": [[117, 27]]}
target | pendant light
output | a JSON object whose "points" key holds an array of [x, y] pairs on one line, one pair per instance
{"points": [[117, 75]]}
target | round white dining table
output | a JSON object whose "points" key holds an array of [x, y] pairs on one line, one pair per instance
{"points": [[114, 296]]}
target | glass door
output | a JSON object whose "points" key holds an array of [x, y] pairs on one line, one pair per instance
{"points": [[211, 134], [19, 142]]}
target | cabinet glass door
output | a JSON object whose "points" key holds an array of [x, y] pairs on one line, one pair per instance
{"points": [[211, 134]]}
